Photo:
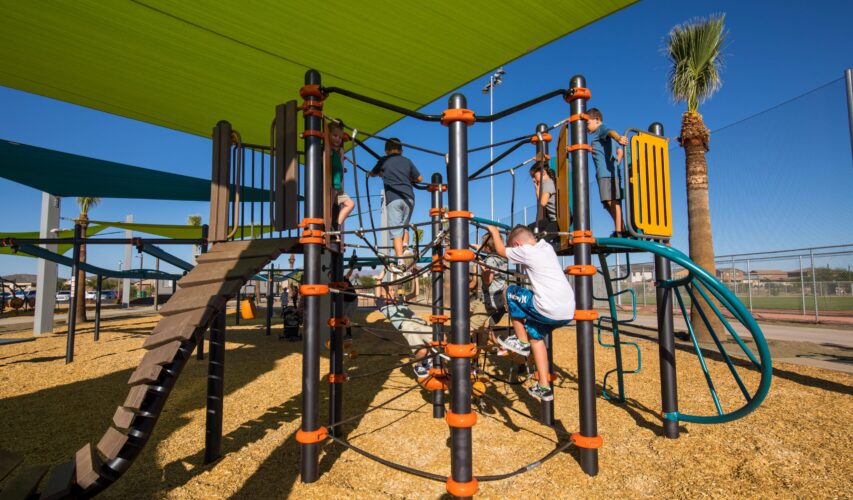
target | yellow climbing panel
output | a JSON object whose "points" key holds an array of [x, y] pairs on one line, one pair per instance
{"points": [[648, 184]]}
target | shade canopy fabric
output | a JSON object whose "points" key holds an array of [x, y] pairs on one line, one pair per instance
{"points": [[179, 231], [187, 65], [92, 230], [65, 174]]}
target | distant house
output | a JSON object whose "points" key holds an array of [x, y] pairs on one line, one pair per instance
{"points": [[731, 275], [770, 275], [642, 272]]}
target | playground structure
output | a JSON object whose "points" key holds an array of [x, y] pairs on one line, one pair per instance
{"points": [[200, 301]]}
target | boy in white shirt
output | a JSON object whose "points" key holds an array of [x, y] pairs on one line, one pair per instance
{"points": [[535, 313]]}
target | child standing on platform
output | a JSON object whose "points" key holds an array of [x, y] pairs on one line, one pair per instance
{"points": [[535, 312], [606, 165]]}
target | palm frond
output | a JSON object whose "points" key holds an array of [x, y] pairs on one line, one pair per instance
{"points": [[694, 49], [85, 203]]}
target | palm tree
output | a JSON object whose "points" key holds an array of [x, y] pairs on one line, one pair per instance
{"points": [[195, 221], [85, 204], [694, 50]]}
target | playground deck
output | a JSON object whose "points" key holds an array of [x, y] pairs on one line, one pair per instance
{"points": [[797, 443]]}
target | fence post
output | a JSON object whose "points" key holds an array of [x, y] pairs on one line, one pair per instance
{"points": [[525, 216], [848, 80], [734, 276], [802, 285], [749, 284], [814, 286]]}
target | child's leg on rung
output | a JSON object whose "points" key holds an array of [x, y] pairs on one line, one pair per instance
{"points": [[540, 356]]}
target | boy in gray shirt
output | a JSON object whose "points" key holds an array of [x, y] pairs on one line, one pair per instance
{"points": [[398, 174]]}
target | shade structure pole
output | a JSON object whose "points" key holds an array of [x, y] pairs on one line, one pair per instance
{"points": [[72, 314], [437, 277], [98, 288], [542, 224]]}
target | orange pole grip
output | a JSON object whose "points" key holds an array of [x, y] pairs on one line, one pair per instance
{"points": [[460, 420], [435, 187], [436, 343], [311, 104], [575, 147], [461, 350], [434, 383], [594, 442], [583, 240], [311, 220], [337, 378], [314, 133], [311, 91], [581, 270], [462, 214], [313, 112], [315, 241], [582, 116], [336, 322], [312, 437], [545, 137], [310, 290], [438, 318], [458, 489], [436, 212], [586, 315], [459, 255], [457, 115]]}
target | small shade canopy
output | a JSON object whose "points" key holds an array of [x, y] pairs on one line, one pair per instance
{"points": [[65, 174], [187, 65], [92, 230]]}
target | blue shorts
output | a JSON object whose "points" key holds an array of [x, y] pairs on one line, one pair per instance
{"points": [[520, 302], [398, 213]]}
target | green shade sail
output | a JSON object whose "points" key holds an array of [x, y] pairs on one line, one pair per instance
{"points": [[187, 65], [65, 174], [92, 230]]}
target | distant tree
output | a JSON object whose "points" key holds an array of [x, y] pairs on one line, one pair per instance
{"points": [[694, 49], [85, 203], [195, 221], [366, 280]]}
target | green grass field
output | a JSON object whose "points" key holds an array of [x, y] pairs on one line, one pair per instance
{"points": [[784, 303]]}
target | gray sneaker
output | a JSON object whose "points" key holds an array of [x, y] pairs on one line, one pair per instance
{"points": [[422, 368], [512, 343], [541, 393]]}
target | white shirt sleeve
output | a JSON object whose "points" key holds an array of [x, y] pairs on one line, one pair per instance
{"points": [[517, 255]]}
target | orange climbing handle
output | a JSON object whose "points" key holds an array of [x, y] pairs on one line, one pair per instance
{"points": [[578, 93], [449, 116]]}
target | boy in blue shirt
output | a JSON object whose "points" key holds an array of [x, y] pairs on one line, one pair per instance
{"points": [[606, 165]]}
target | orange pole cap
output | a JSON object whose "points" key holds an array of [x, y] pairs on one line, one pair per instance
{"points": [[312, 437], [586, 442], [458, 489], [310, 290], [581, 270], [586, 315], [460, 420], [457, 115], [459, 255], [461, 350], [578, 93]]}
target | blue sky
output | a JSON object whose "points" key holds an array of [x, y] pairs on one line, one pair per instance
{"points": [[781, 180]]}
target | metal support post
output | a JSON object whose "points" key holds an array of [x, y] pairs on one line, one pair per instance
{"points": [[460, 328], [666, 335], [157, 285], [98, 289], [75, 279], [313, 148], [848, 84], [583, 284], [336, 343], [215, 390], [238, 298], [749, 284], [814, 286], [203, 249], [802, 285], [437, 276], [542, 220], [270, 298]]}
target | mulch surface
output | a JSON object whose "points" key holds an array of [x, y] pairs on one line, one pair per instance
{"points": [[798, 444]]}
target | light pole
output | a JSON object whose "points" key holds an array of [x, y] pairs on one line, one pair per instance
{"points": [[494, 80]]}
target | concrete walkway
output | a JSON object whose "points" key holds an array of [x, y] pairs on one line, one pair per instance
{"points": [[24, 324]]}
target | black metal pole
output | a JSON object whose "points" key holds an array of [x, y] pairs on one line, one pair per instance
{"points": [[437, 286], [270, 278], [460, 328], [583, 283], [204, 233], [542, 216], [99, 287], [72, 314], [215, 390], [238, 298], [666, 336], [848, 83], [336, 342], [313, 147]]}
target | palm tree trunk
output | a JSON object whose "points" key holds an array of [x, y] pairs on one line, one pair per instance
{"points": [[694, 139], [80, 279]]}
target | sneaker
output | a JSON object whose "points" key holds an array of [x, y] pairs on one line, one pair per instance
{"points": [[512, 343], [396, 268], [541, 393], [422, 368]]}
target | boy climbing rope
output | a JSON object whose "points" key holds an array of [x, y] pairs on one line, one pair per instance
{"points": [[336, 143], [606, 161], [535, 312], [398, 174]]}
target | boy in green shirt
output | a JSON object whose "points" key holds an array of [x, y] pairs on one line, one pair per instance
{"points": [[336, 141]]}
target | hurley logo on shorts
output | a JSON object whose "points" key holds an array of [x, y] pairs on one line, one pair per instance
{"points": [[517, 297]]}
